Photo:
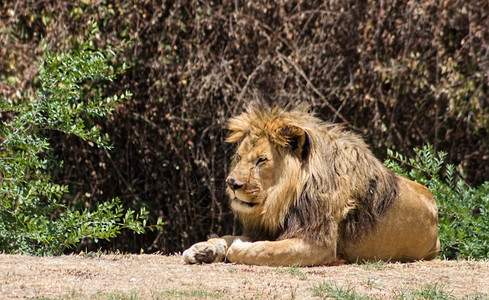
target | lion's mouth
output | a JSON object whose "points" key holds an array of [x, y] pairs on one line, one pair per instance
{"points": [[248, 204]]}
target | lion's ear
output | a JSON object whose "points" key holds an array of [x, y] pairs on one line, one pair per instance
{"points": [[298, 140], [235, 137], [238, 129]]}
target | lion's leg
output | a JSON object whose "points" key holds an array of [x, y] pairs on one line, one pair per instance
{"points": [[212, 250], [289, 252], [434, 251]]}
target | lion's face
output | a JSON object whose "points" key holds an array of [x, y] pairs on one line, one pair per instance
{"points": [[265, 172], [256, 165]]}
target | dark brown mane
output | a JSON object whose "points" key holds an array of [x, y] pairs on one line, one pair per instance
{"points": [[310, 217], [372, 206]]}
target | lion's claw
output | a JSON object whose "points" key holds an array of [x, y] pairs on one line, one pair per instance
{"points": [[207, 256]]}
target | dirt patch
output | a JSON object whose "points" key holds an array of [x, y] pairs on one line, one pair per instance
{"points": [[162, 277]]}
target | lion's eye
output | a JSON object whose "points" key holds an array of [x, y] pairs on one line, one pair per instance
{"points": [[238, 158], [261, 160]]}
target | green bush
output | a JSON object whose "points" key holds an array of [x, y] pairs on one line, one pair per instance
{"points": [[33, 216], [463, 210]]}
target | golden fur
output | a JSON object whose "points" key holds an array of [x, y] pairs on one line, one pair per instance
{"points": [[308, 192]]}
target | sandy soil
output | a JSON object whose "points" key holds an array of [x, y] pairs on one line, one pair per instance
{"points": [[166, 277]]}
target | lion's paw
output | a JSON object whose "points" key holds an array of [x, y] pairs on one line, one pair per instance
{"points": [[205, 252]]}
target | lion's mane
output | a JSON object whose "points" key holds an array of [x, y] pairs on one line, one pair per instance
{"points": [[335, 188]]}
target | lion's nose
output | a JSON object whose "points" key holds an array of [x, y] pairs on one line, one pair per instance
{"points": [[233, 184]]}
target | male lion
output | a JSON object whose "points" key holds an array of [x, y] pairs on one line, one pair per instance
{"points": [[312, 193]]}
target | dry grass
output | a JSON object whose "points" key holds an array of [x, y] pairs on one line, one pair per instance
{"points": [[163, 277]]}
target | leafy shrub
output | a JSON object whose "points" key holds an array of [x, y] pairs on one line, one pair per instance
{"points": [[463, 210], [33, 218]]}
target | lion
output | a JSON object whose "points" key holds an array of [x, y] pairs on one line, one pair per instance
{"points": [[312, 193]]}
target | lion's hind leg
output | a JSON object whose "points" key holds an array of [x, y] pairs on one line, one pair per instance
{"points": [[434, 251], [289, 252]]}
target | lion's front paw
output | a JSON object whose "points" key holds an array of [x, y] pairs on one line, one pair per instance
{"points": [[205, 252]]}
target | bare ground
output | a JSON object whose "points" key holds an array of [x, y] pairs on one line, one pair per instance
{"points": [[164, 277]]}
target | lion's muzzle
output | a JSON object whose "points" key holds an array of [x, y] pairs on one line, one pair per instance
{"points": [[233, 184]]}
